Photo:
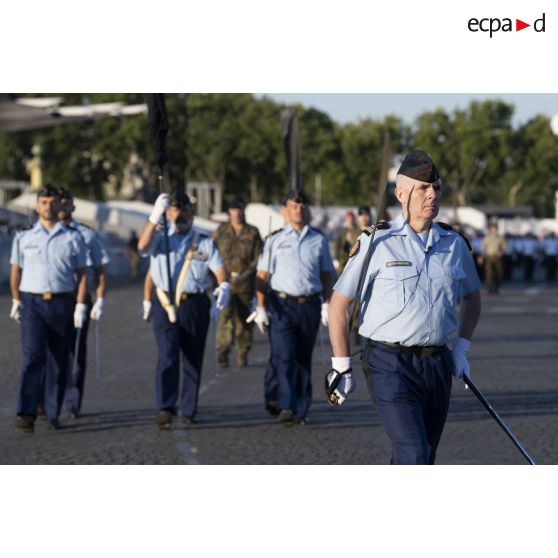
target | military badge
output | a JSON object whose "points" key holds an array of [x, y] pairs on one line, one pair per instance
{"points": [[354, 249]]}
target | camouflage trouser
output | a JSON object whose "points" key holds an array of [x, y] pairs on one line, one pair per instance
{"points": [[493, 272], [233, 327]]}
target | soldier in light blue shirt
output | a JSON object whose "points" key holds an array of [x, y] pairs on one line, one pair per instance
{"points": [[180, 314], [296, 267], [47, 269], [96, 261], [418, 273]]}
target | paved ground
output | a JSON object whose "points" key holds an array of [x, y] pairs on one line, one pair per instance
{"points": [[514, 359]]}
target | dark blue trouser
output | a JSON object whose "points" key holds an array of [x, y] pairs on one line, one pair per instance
{"points": [[73, 394], [45, 330], [293, 330], [411, 394], [188, 337]]}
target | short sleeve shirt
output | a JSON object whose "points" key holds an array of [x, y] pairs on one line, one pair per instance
{"points": [[411, 289], [295, 260], [48, 259]]}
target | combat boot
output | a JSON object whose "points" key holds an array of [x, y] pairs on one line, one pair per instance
{"points": [[242, 359], [223, 359]]}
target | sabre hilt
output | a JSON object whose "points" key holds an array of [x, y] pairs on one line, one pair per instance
{"points": [[331, 381]]}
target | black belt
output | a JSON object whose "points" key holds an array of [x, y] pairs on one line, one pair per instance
{"points": [[298, 299], [186, 296], [420, 350], [50, 296]]}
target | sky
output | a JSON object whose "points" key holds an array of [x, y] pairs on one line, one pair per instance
{"points": [[350, 107]]}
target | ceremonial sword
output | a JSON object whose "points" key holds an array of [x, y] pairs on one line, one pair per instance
{"points": [[495, 416]]}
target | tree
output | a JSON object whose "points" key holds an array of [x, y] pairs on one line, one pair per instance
{"points": [[534, 165], [469, 147]]}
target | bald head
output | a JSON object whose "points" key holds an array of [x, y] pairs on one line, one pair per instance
{"points": [[404, 184]]}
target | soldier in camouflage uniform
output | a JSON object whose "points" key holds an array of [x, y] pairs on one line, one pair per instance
{"points": [[240, 246], [346, 237], [494, 247]]}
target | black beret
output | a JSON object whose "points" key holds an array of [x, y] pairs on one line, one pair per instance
{"points": [[179, 198], [237, 203], [364, 210], [297, 196], [48, 191], [419, 165], [65, 194]]}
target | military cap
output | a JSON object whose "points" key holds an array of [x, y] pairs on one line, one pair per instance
{"points": [[297, 196], [419, 165], [65, 194], [364, 210], [237, 203], [179, 198], [48, 191]]}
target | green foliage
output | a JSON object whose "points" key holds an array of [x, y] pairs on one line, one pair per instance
{"points": [[235, 140]]}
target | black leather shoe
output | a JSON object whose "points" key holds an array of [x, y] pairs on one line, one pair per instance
{"points": [[25, 422], [286, 416], [164, 419], [73, 415], [189, 420], [272, 407]]}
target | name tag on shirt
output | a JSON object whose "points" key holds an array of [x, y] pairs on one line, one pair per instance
{"points": [[202, 256], [398, 264]]}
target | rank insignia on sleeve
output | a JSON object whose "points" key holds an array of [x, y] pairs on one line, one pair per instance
{"points": [[354, 249]]}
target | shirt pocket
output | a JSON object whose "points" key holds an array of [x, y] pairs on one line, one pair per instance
{"points": [[396, 285], [63, 256], [446, 282], [198, 270]]}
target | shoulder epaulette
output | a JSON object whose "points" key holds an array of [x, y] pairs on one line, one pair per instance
{"points": [[315, 229], [24, 228], [273, 233], [86, 227], [382, 225], [76, 230], [447, 227]]}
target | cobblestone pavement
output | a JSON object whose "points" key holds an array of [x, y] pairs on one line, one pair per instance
{"points": [[514, 358]]}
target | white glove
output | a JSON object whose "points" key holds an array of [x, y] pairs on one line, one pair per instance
{"points": [[260, 318], [459, 350], [325, 320], [347, 382], [15, 313], [79, 315], [160, 206], [222, 292], [146, 310], [214, 312], [97, 310]]}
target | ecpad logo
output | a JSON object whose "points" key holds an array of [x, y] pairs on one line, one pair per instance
{"points": [[494, 24]]}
